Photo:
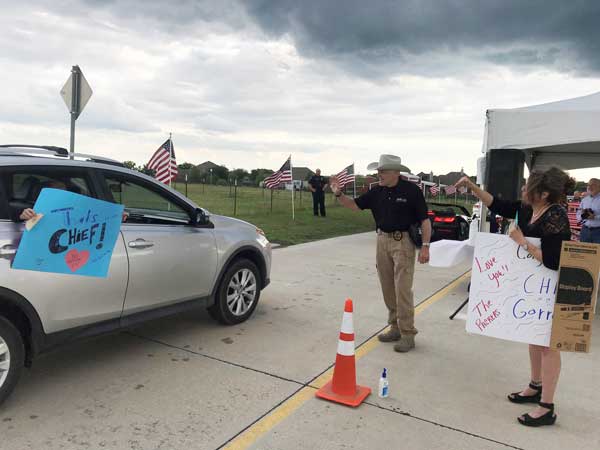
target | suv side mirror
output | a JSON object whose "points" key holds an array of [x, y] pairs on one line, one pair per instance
{"points": [[200, 218]]}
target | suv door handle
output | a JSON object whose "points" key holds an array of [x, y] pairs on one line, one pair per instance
{"points": [[140, 243], [8, 250]]}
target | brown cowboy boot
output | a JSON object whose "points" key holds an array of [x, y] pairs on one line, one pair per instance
{"points": [[406, 344], [393, 334]]}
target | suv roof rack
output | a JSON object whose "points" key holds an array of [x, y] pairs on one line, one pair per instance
{"points": [[38, 149], [99, 159], [49, 150]]}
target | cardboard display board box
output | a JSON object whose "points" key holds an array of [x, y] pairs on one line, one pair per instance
{"points": [[575, 297]]}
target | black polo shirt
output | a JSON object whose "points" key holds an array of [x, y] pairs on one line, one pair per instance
{"points": [[317, 182], [395, 208]]}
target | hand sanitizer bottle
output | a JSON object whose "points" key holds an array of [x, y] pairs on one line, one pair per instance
{"points": [[383, 385]]}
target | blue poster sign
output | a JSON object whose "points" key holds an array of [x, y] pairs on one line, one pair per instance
{"points": [[76, 235]]}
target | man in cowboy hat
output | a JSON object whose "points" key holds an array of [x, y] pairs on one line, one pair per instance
{"points": [[396, 205]]}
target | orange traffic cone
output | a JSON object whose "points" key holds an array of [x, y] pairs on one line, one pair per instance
{"points": [[343, 388]]}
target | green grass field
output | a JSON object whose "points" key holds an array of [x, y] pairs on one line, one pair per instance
{"points": [[254, 205]]}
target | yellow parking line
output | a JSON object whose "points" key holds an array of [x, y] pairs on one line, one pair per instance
{"points": [[252, 434], [442, 292]]}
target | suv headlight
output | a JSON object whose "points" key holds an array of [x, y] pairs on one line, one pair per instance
{"points": [[262, 238]]}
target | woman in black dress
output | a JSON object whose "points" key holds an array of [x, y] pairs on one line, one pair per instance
{"points": [[540, 214]]}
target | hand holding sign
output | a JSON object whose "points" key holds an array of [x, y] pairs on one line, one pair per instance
{"points": [[517, 235], [27, 214], [76, 236]]}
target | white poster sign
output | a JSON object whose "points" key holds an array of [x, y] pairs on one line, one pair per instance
{"points": [[446, 253], [512, 294]]}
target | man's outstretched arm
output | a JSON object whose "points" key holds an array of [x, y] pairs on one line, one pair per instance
{"points": [[344, 200], [348, 202]]}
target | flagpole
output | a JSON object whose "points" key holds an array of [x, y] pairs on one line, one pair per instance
{"points": [[293, 189], [354, 175]]}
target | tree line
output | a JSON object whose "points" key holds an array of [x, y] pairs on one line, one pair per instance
{"points": [[217, 174]]}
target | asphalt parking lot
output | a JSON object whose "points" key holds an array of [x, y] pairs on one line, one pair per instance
{"points": [[187, 382]]}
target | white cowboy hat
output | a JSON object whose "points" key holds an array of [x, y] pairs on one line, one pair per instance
{"points": [[386, 162]]}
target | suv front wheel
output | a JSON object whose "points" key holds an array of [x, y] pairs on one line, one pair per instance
{"points": [[11, 357], [237, 294]]}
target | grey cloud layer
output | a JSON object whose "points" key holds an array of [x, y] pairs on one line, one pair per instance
{"points": [[385, 37], [551, 33]]}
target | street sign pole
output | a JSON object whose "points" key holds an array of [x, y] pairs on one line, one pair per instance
{"points": [[76, 93]]}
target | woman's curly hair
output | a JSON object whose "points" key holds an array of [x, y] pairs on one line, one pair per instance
{"points": [[556, 182]]}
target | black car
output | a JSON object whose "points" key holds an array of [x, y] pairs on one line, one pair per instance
{"points": [[449, 221]]}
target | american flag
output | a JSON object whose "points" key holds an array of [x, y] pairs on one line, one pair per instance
{"points": [[434, 190], [163, 163], [283, 175], [346, 176], [450, 190], [572, 209]]}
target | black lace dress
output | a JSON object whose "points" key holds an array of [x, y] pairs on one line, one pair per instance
{"points": [[552, 227]]}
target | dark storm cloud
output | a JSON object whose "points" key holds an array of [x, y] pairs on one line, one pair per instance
{"points": [[549, 33], [386, 37]]}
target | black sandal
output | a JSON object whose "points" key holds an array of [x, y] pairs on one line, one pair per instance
{"points": [[516, 397], [547, 419]]}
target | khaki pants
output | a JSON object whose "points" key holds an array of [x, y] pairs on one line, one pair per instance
{"points": [[396, 269]]}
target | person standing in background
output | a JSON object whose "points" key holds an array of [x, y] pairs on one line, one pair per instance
{"points": [[589, 213], [318, 184]]}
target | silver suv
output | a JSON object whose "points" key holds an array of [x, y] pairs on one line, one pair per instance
{"points": [[171, 256]]}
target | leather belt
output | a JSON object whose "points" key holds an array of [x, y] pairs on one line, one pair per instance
{"points": [[396, 235]]}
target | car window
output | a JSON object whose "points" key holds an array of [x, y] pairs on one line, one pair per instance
{"points": [[143, 203], [23, 186], [4, 215]]}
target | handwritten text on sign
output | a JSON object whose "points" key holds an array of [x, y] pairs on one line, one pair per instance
{"points": [[512, 294], [76, 235]]}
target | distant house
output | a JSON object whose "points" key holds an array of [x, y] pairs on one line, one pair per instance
{"points": [[368, 182], [450, 178], [410, 177], [300, 175], [206, 166], [246, 181]]}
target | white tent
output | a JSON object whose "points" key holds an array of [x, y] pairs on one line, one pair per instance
{"points": [[565, 133]]}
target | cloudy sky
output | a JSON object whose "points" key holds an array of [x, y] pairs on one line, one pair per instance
{"points": [[244, 83]]}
